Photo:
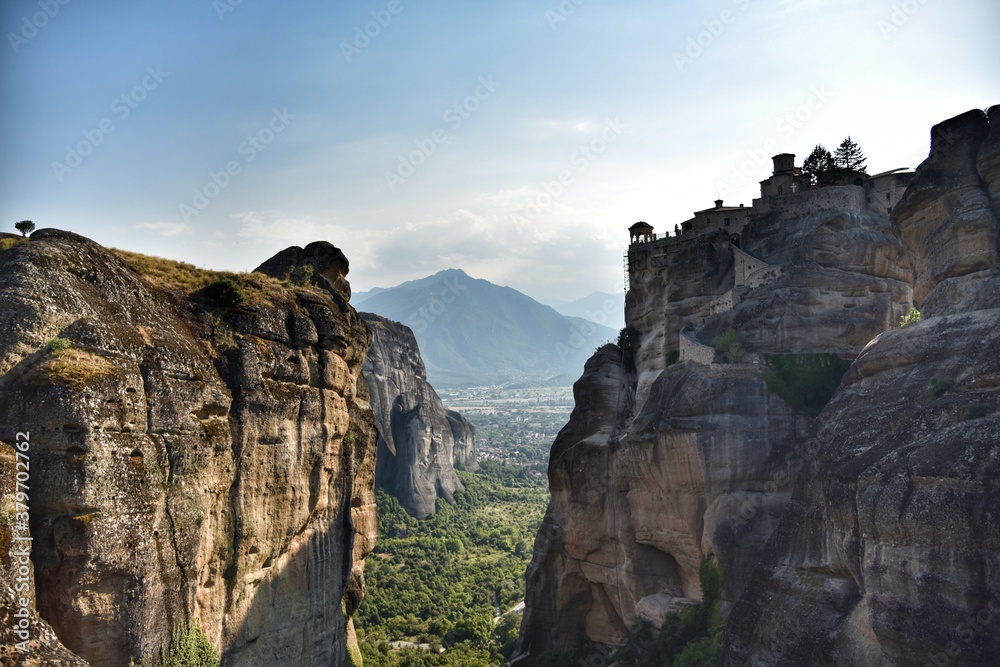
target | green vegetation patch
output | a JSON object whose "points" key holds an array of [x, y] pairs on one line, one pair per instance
{"points": [[189, 647], [805, 381], [302, 275], [628, 343], [440, 581], [938, 387], [58, 344], [976, 411], [911, 317], [693, 637], [223, 337], [729, 347], [226, 292]]}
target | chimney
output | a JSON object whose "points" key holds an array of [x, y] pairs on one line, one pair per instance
{"points": [[718, 203]]}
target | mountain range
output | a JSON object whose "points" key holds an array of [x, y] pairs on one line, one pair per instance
{"points": [[472, 332], [599, 307]]}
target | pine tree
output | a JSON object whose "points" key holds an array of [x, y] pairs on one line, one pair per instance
{"points": [[849, 156], [819, 162]]}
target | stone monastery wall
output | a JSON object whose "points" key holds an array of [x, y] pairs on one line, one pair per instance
{"points": [[831, 198]]}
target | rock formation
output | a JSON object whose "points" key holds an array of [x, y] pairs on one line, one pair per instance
{"points": [[889, 541], [419, 441], [464, 433], [198, 457], [329, 266], [888, 552]]}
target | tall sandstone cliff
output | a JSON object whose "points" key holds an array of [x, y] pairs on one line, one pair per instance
{"points": [[888, 553], [671, 462], [419, 440], [192, 458]]}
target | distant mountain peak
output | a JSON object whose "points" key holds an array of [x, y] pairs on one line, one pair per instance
{"points": [[472, 331]]}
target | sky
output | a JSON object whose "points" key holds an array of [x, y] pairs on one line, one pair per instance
{"points": [[516, 140]]}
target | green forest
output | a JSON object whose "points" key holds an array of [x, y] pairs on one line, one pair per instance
{"points": [[440, 582]]}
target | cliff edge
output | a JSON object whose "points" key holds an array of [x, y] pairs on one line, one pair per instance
{"points": [[843, 535], [201, 451]]}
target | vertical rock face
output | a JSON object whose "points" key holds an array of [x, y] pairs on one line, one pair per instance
{"points": [[419, 441], [637, 500], [888, 553], [26, 638], [191, 459], [894, 513], [466, 451], [947, 219]]}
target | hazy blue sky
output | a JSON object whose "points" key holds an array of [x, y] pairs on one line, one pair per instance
{"points": [[419, 135]]}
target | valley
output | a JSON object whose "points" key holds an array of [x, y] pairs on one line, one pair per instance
{"points": [[449, 590], [434, 587], [514, 426]]}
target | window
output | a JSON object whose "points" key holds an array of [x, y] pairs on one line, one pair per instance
{"points": [[727, 222]]}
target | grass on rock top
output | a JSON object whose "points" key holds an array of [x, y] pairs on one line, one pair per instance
{"points": [[255, 288], [10, 241], [74, 367]]}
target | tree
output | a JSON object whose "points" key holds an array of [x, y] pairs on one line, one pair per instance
{"points": [[25, 227], [819, 162], [729, 348], [849, 156]]}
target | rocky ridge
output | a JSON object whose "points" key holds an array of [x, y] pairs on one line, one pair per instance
{"points": [[675, 461], [203, 456], [419, 440]]}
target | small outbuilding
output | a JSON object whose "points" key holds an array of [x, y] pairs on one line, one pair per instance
{"points": [[641, 232]]}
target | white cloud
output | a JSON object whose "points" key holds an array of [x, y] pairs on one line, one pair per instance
{"points": [[268, 229], [167, 228]]}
